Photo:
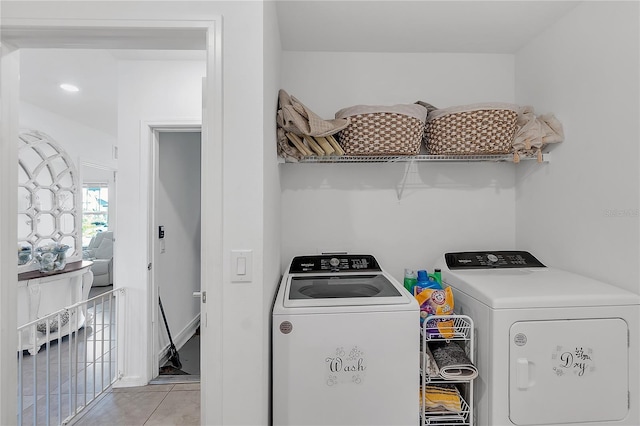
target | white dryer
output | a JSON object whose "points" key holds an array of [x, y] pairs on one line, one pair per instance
{"points": [[552, 347], [345, 345]]}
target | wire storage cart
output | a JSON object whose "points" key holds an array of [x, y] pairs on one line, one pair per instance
{"points": [[446, 397]]}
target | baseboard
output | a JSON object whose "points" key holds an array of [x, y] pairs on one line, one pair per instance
{"points": [[180, 339], [129, 381]]}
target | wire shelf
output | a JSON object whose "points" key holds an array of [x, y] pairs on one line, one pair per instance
{"points": [[447, 328], [411, 158], [461, 329], [448, 418]]}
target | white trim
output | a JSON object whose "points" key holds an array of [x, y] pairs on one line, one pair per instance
{"points": [[211, 387], [149, 137], [10, 102], [130, 381], [82, 163]]}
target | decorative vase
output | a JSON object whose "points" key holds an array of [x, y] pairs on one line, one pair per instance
{"points": [[52, 257], [24, 255]]}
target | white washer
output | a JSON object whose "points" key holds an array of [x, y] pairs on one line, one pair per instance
{"points": [[345, 345], [552, 347]]}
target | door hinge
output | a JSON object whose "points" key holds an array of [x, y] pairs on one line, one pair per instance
{"points": [[149, 267], [202, 295]]}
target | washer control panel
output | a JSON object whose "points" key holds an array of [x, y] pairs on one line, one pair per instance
{"points": [[491, 260], [334, 262]]}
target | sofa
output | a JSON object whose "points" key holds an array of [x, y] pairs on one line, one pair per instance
{"points": [[100, 252]]}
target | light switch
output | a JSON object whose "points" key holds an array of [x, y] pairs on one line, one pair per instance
{"points": [[241, 266]]}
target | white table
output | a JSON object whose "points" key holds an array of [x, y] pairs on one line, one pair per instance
{"points": [[41, 294]]}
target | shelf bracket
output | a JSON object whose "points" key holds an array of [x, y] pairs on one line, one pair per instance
{"points": [[400, 190]]}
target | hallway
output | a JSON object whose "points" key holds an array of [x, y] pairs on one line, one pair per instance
{"points": [[168, 404]]}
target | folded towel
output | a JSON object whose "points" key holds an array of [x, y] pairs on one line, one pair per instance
{"points": [[441, 396], [533, 132], [429, 363], [293, 116], [452, 361]]}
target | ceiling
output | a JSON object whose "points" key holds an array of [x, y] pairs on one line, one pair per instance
{"points": [[338, 26], [94, 71], [415, 26]]}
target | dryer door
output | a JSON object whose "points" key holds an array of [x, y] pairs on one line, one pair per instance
{"points": [[568, 371]]}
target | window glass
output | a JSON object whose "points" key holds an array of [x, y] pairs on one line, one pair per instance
{"points": [[95, 210]]}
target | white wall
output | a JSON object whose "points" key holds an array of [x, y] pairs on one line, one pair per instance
{"points": [[177, 256], [244, 376], [150, 91], [355, 207], [144, 96], [580, 211], [80, 141], [272, 201], [157, 92]]}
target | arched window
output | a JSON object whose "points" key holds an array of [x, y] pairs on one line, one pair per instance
{"points": [[48, 197]]}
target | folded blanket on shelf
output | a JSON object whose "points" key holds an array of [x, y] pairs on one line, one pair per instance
{"points": [[441, 396], [293, 116], [533, 133], [429, 363], [452, 361]]}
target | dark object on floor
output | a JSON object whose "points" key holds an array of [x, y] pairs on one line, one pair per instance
{"points": [[170, 370], [174, 358]]}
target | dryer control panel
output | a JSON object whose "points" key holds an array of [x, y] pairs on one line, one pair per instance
{"points": [[338, 262], [491, 260]]}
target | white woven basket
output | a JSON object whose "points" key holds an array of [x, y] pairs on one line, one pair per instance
{"points": [[383, 130], [471, 129]]}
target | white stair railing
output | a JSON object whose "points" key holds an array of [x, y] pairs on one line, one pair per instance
{"points": [[67, 359]]}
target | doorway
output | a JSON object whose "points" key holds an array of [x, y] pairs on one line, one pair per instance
{"points": [[198, 34], [176, 251]]}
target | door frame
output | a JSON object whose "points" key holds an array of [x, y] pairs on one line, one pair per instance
{"points": [[91, 34], [149, 142], [10, 89]]}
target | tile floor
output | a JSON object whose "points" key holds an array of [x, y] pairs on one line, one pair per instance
{"points": [[168, 404]]}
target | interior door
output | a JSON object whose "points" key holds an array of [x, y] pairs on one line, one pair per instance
{"points": [[568, 371]]}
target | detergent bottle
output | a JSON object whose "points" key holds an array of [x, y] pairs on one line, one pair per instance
{"points": [[425, 281], [410, 279], [437, 276]]}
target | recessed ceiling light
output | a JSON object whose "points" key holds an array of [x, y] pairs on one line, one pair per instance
{"points": [[69, 87]]}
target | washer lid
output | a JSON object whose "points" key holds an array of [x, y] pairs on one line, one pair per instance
{"points": [[534, 287], [342, 290]]}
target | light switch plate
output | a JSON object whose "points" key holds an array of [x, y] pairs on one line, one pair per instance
{"points": [[241, 266]]}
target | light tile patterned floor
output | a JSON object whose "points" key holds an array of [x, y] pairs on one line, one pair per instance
{"points": [[170, 404]]}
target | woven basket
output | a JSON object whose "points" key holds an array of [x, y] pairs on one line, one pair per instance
{"points": [[478, 129], [380, 130]]}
